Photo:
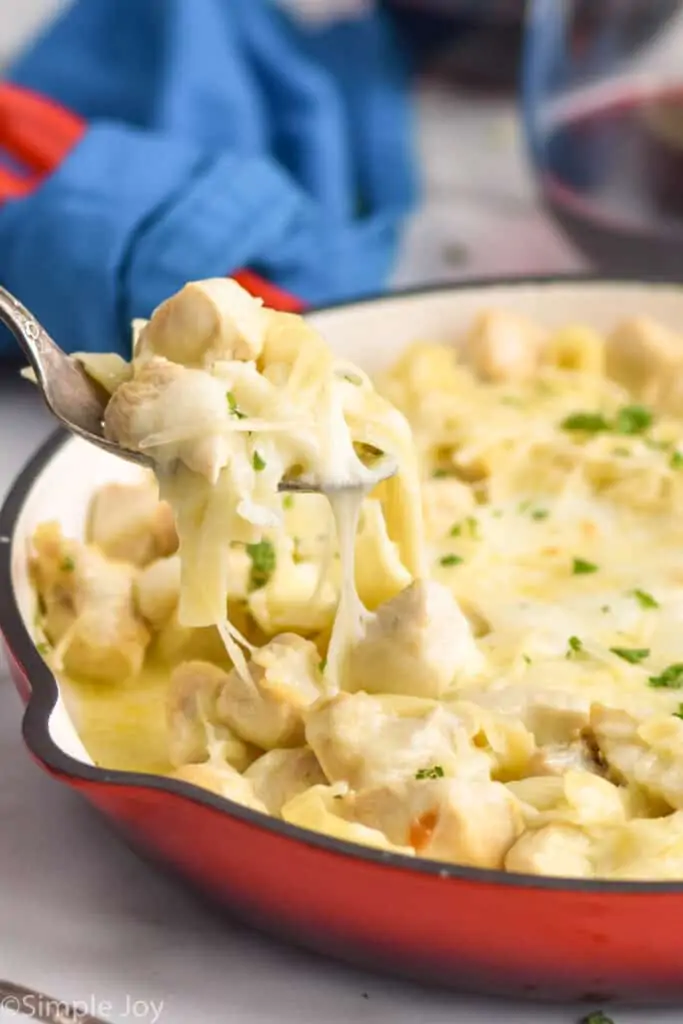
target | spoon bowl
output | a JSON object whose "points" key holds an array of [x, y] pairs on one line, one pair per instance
{"points": [[79, 403]]}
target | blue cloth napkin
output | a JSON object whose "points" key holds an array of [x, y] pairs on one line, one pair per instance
{"points": [[222, 135]]}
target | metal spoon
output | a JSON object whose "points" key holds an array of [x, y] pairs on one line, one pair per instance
{"points": [[78, 403]]}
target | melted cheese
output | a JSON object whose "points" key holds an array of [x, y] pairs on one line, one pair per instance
{"points": [[536, 662]]}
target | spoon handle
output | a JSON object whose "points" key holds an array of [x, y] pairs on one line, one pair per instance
{"points": [[39, 348]]}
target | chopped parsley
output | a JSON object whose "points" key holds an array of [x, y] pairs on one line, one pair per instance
{"points": [[575, 646], [258, 462], [67, 564], [540, 513], [450, 560], [43, 648], [670, 679], [633, 419], [288, 501], [469, 526], [263, 562], [629, 420], [679, 713], [580, 567], [676, 460], [588, 422], [435, 772], [232, 406], [644, 599], [527, 659], [440, 474], [351, 378], [632, 655], [323, 664], [596, 1018]]}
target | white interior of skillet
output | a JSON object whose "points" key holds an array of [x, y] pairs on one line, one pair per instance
{"points": [[371, 334]]}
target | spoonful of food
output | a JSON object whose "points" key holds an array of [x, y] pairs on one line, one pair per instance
{"points": [[79, 402]]}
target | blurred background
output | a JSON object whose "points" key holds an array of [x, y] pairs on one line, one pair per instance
{"points": [[566, 158], [478, 214]]}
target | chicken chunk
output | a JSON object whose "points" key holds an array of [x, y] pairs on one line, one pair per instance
{"points": [[89, 612], [286, 682], [204, 322], [559, 850], [504, 346], [646, 755], [461, 821], [129, 523], [645, 357], [157, 590], [368, 741], [194, 732], [417, 644], [172, 413], [281, 775], [581, 754], [222, 780]]}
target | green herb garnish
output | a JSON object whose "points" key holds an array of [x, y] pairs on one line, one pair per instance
{"points": [[540, 513], [450, 560], [631, 654], [263, 562], [633, 419], [575, 646], [288, 501], [670, 679], [580, 567], [323, 664], [232, 406], [440, 474], [67, 564], [644, 599], [679, 713], [629, 420], [258, 462], [676, 460], [43, 648], [588, 422], [435, 772], [470, 525]]}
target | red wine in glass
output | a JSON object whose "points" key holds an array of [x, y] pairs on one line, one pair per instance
{"points": [[611, 173]]}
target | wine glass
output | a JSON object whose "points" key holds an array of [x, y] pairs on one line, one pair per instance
{"points": [[602, 98]]}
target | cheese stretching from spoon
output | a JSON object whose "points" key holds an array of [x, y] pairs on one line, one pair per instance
{"points": [[229, 399]]}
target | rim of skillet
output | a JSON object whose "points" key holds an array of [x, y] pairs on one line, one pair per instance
{"points": [[45, 690]]}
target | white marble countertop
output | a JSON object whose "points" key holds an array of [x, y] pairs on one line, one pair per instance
{"points": [[80, 916]]}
